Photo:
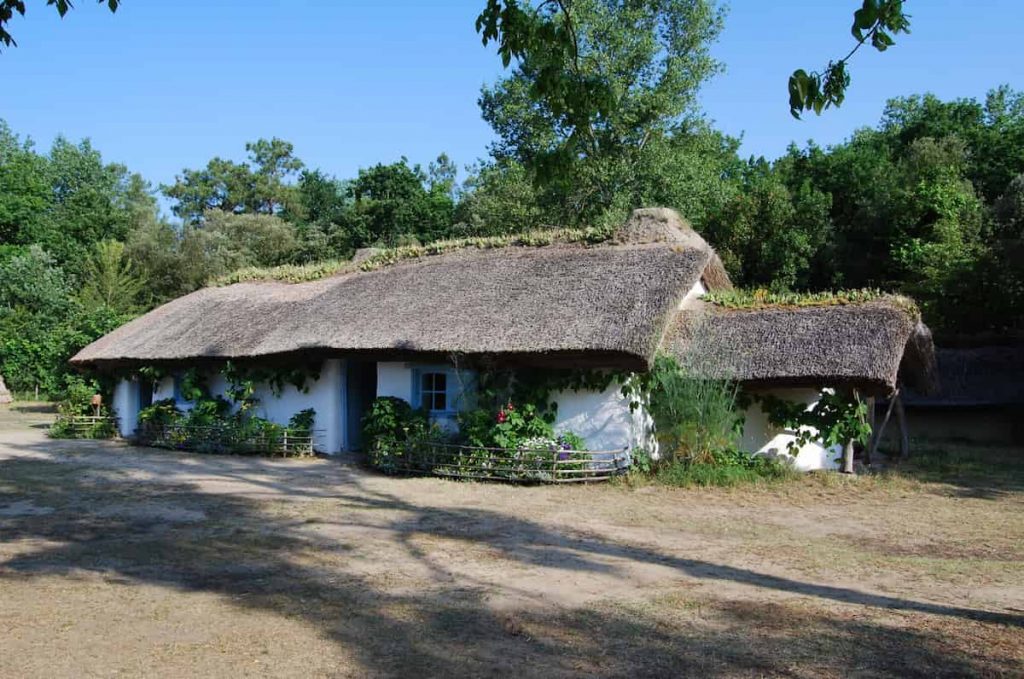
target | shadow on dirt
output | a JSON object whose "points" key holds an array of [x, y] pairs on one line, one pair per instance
{"points": [[176, 536]]}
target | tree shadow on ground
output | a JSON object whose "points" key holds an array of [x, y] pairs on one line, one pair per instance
{"points": [[103, 520], [976, 471]]}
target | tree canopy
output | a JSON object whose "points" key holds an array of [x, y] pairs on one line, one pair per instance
{"points": [[929, 202]]}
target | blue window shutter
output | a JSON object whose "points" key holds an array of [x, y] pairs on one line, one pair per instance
{"points": [[417, 384], [453, 393]]}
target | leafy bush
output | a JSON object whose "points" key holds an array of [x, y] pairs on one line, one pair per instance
{"points": [[77, 404], [695, 417], [212, 425], [698, 423], [301, 423], [515, 443], [507, 428], [393, 428]]}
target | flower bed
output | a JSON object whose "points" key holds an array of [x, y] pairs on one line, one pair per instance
{"points": [[550, 464]]}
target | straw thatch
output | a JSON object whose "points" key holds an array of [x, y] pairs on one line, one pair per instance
{"points": [[856, 345], [607, 305], [612, 305]]}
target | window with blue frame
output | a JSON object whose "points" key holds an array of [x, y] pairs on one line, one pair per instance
{"points": [[440, 389], [433, 391]]}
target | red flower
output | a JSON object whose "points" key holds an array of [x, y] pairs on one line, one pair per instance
{"points": [[501, 416]]}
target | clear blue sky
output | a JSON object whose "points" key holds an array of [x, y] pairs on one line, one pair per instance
{"points": [[163, 84]]}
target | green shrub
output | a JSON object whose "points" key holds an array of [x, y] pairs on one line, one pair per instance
{"points": [[77, 403], [515, 443], [695, 417], [301, 423], [393, 429], [211, 426]]}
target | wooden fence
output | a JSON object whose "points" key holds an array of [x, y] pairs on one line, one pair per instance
{"points": [[84, 426], [502, 464], [218, 439]]}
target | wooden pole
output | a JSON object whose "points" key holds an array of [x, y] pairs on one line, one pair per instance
{"points": [[871, 424], [876, 436], [901, 420]]}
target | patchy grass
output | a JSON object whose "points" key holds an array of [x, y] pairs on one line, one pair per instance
{"points": [[766, 299], [131, 561], [25, 414], [296, 273], [699, 475]]}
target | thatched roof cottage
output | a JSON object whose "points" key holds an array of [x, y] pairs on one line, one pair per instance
{"points": [[419, 324]]}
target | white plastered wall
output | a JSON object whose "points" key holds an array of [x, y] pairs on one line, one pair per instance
{"points": [[126, 406], [324, 395], [604, 419], [760, 436]]}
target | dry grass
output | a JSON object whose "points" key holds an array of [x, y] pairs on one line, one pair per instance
{"points": [[116, 560]]}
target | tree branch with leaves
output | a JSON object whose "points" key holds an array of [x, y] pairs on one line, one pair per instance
{"points": [[875, 23], [9, 7]]}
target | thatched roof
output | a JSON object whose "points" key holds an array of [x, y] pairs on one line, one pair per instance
{"points": [[856, 345], [607, 304], [976, 377], [612, 305]]}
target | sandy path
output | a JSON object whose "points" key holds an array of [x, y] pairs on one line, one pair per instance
{"points": [[198, 561]]}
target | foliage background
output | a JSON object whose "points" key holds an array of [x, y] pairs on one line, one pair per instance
{"points": [[928, 202]]}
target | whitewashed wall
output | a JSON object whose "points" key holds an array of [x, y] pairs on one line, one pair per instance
{"points": [[395, 379], [126, 406], [760, 436], [325, 395], [604, 419]]}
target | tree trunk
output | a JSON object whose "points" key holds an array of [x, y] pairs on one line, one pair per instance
{"points": [[848, 457]]}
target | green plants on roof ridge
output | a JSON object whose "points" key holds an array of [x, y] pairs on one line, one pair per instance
{"points": [[766, 299], [302, 273]]}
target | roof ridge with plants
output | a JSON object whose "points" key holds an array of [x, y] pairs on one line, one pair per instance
{"points": [[303, 273], [746, 300]]}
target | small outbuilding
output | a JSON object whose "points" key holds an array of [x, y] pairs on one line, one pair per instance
{"points": [[979, 399], [421, 327]]}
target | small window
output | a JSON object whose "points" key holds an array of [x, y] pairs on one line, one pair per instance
{"points": [[434, 391]]}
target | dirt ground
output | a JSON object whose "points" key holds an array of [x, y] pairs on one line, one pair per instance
{"points": [[119, 561]]}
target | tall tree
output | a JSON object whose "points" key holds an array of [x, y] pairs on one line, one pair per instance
{"points": [[596, 85], [111, 280], [261, 185]]}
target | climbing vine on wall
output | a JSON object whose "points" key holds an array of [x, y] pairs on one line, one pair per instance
{"points": [[836, 418]]}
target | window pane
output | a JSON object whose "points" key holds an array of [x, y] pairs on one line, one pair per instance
{"points": [[427, 382], [440, 381], [439, 401]]}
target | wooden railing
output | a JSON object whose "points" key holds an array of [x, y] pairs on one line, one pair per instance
{"points": [[502, 464], [84, 426], [218, 439]]}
